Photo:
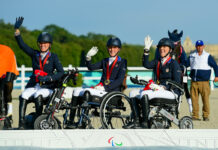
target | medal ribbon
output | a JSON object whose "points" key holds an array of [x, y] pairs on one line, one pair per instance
{"points": [[110, 71], [158, 67], [40, 62]]}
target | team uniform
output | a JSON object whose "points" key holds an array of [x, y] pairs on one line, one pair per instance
{"points": [[33, 88], [113, 74], [116, 77], [179, 55], [46, 70], [163, 70]]}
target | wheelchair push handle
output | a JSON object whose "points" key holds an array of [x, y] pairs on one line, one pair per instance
{"points": [[71, 74], [75, 74], [137, 81], [175, 85]]}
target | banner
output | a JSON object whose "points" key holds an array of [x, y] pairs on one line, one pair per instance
{"points": [[106, 139]]}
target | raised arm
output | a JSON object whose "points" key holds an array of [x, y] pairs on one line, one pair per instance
{"points": [[29, 51], [93, 51]]}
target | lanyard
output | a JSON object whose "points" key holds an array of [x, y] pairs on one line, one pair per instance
{"points": [[110, 71], [158, 67], [40, 62]]}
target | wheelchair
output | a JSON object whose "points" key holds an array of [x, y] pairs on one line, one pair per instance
{"points": [[113, 110], [164, 111], [56, 102]]}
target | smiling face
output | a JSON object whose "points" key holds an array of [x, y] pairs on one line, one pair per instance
{"points": [[113, 50], [44, 46], [164, 50]]}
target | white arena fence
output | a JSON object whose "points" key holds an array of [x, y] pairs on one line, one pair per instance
{"points": [[21, 81]]}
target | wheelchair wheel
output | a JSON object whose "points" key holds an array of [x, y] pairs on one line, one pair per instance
{"points": [[186, 123], [115, 111], [42, 123]]}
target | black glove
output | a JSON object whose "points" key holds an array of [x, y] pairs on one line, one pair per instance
{"points": [[44, 78], [18, 22], [146, 51]]}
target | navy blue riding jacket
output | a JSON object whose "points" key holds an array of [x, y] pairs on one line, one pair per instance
{"points": [[170, 71], [50, 66], [117, 75]]}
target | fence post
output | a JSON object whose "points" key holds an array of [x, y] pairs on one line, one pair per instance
{"points": [[22, 77], [70, 67]]}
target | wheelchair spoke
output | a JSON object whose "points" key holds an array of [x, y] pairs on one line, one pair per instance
{"points": [[115, 110]]}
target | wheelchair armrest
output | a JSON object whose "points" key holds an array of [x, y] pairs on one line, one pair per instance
{"points": [[137, 81], [175, 85]]}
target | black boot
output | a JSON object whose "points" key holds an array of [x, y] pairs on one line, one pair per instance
{"points": [[22, 111], [145, 111], [72, 124], [136, 113], [7, 123], [39, 105]]}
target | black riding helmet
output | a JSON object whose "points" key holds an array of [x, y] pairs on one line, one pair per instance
{"points": [[165, 42], [44, 37], [114, 41]]}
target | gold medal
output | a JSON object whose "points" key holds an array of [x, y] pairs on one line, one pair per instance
{"points": [[106, 82]]}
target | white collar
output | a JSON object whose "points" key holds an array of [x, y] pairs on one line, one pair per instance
{"points": [[43, 55], [163, 60], [111, 59]]}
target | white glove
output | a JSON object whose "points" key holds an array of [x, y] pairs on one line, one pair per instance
{"points": [[93, 51], [156, 87], [99, 88], [148, 42]]}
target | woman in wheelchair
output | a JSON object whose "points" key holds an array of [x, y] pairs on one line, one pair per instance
{"points": [[113, 74], [44, 63], [163, 69]]}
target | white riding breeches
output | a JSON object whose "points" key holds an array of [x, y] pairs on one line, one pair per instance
{"points": [[135, 93], [95, 92], [139, 93], [36, 91], [158, 94]]}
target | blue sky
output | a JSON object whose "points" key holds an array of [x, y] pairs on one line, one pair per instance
{"points": [[130, 20]]}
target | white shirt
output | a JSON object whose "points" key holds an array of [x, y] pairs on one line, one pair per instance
{"points": [[111, 60]]}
